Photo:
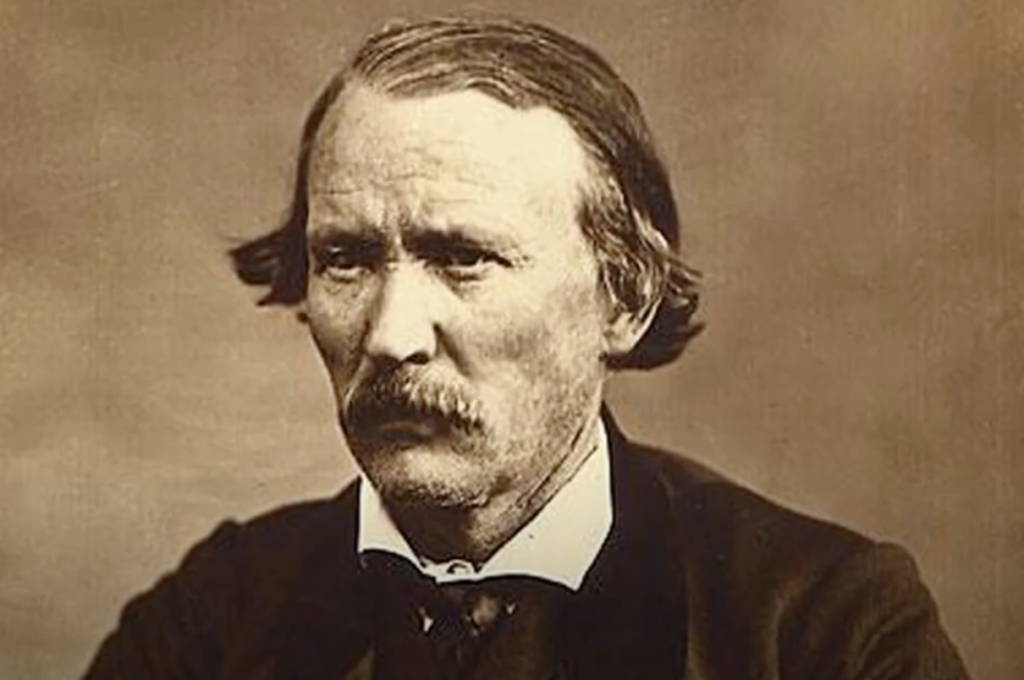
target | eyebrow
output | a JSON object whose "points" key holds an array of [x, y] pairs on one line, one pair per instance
{"points": [[326, 233], [415, 235], [426, 241], [432, 240]]}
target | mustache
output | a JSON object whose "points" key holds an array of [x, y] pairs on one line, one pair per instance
{"points": [[401, 394]]}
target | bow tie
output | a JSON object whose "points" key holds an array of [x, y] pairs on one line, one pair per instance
{"points": [[458, 620]]}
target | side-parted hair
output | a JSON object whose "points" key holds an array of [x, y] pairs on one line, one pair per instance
{"points": [[627, 211]]}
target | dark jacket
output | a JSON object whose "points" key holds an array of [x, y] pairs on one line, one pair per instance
{"points": [[699, 578]]}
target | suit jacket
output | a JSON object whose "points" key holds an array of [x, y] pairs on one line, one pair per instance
{"points": [[699, 579]]}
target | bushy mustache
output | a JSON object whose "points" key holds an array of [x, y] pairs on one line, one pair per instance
{"points": [[400, 393]]}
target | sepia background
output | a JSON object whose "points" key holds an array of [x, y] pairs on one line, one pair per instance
{"points": [[850, 175]]}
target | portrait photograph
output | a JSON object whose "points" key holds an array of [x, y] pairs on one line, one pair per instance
{"points": [[515, 340]]}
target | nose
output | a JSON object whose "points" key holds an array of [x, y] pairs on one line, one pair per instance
{"points": [[401, 326]]}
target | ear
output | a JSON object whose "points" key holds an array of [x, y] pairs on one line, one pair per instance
{"points": [[625, 329]]}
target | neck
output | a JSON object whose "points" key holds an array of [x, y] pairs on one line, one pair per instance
{"points": [[476, 533]]}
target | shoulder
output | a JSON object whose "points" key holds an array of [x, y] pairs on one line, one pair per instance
{"points": [[281, 543], [736, 545], [294, 524], [800, 593], [241, 562], [733, 523], [741, 546], [229, 590]]}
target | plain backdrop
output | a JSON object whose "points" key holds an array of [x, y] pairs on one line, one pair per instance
{"points": [[850, 175]]}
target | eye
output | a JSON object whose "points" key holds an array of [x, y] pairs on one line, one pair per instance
{"points": [[463, 256], [343, 262], [464, 261]]}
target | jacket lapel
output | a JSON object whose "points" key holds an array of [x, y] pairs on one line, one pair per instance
{"points": [[325, 627], [629, 618]]}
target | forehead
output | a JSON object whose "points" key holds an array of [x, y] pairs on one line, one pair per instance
{"points": [[373, 139]]}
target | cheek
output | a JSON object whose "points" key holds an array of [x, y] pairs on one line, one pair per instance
{"points": [[545, 336], [336, 326]]}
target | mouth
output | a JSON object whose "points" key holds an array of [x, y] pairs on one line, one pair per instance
{"points": [[406, 430], [401, 429]]}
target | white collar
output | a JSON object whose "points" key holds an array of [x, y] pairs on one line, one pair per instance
{"points": [[559, 544]]}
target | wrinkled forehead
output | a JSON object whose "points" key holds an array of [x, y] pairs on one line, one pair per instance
{"points": [[369, 136]]}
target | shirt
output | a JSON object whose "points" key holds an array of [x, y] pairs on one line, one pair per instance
{"points": [[559, 544]]}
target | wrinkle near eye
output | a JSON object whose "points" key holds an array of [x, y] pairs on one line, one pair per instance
{"points": [[452, 249]]}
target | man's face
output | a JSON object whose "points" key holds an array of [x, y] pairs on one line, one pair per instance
{"points": [[452, 294]]}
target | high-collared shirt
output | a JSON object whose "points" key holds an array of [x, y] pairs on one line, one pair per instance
{"points": [[559, 544]]}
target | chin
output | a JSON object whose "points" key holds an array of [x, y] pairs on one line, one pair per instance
{"points": [[417, 476]]}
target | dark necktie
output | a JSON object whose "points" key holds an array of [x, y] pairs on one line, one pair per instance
{"points": [[460, 619], [498, 628]]}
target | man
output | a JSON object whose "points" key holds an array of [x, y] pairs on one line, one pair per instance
{"points": [[480, 232]]}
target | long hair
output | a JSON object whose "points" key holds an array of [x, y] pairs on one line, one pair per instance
{"points": [[627, 211]]}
